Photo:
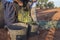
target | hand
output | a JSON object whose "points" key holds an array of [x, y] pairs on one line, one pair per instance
{"points": [[19, 2]]}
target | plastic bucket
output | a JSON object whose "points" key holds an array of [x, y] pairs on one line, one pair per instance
{"points": [[18, 31], [32, 30]]}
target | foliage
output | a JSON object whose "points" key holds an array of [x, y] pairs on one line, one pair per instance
{"points": [[51, 4], [42, 3], [47, 24], [45, 4], [24, 16]]}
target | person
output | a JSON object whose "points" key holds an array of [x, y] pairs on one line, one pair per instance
{"points": [[33, 11], [9, 11]]}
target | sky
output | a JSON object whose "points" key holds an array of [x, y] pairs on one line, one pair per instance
{"points": [[56, 2]]}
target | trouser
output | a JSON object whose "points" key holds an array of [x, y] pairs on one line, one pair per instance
{"points": [[33, 14], [9, 13]]}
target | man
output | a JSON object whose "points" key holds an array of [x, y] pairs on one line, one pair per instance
{"points": [[33, 11], [9, 11]]}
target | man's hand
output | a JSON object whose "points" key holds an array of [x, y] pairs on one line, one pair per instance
{"points": [[19, 2]]}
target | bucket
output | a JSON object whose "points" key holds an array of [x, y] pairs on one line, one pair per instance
{"points": [[32, 29], [18, 31]]}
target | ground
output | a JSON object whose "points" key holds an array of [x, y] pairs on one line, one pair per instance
{"points": [[50, 14], [51, 34]]}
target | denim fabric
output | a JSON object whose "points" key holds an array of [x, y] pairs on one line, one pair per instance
{"points": [[9, 12]]}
